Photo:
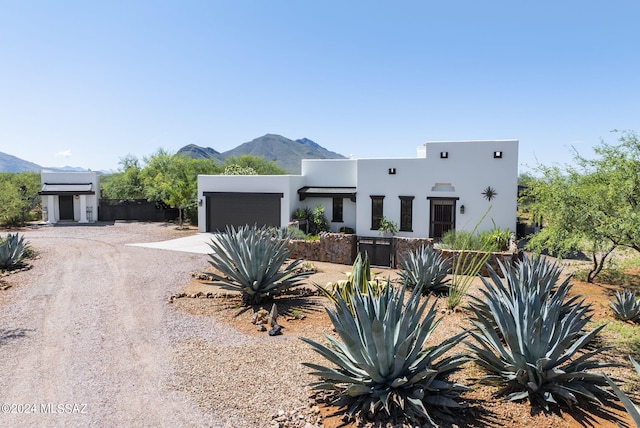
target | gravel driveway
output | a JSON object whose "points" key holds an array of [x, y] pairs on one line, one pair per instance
{"points": [[85, 336]]}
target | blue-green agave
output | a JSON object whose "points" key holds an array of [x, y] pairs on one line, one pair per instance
{"points": [[532, 341], [381, 361], [426, 268], [250, 260], [13, 251], [626, 306]]}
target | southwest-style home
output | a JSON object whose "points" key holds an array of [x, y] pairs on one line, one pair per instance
{"points": [[70, 196], [449, 185]]}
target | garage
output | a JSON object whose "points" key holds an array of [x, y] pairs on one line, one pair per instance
{"points": [[239, 209]]}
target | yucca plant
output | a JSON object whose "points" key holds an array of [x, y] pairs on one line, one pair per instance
{"points": [[13, 251], [381, 361], [425, 268], [250, 261], [360, 278], [534, 345], [626, 306]]}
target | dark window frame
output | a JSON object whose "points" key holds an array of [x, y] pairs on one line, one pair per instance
{"points": [[406, 213], [377, 211], [338, 210]]}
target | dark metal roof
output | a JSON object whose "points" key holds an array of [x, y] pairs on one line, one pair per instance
{"points": [[327, 192], [67, 189]]}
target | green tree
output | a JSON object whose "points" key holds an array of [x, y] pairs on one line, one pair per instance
{"points": [[19, 197], [173, 179], [126, 183], [592, 206], [259, 164]]}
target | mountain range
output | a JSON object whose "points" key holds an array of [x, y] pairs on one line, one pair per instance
{"points": [[286, 153]]}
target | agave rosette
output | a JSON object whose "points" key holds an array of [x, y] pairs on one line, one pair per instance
{"points": [[250, 261], [534, 344], [426, 268], [381, 360]]}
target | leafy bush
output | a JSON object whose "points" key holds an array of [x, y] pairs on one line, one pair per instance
{"points": [[358, 279], [347, 230], [382, 360], [493, 240], [316, 221], [13, 250], [250, 261], [427, 269], [531, 339], [387, 226], [626, 306]]}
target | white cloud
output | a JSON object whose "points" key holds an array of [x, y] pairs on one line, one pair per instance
{"points": [[64, 154]]}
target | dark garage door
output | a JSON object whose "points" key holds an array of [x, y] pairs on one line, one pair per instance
{"points": [[239, 209]]}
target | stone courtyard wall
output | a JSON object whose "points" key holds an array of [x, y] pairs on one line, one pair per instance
{"points": [[337, 248], [341, 248]]}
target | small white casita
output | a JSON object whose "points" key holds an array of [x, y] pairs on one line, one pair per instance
{"points": [[70, 196], [449, 185]]}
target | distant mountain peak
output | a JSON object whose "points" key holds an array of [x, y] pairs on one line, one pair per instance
{"points": [[286, 153]]}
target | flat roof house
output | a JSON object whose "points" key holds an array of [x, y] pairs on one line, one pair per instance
{"points": [[70, 196], [449, 185]]}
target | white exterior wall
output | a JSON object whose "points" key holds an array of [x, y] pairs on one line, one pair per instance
{"points": [[285, 184], [81, 203], [469, 168]]}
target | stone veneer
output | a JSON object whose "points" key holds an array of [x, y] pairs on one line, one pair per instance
{"points": [[337, 248], [341, 248]]}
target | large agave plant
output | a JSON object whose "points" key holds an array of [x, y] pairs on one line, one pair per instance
{"points": [[381, 362], [426, 268], [626, 306], [13, 251], [530, 275], [533, 344], [250, 261]]}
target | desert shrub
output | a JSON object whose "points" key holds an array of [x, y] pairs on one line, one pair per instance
{"points": [[493, 240], [381, 360], [425, 268], [250, 260]]}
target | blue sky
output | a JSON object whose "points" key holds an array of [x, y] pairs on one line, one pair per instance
{"points": [[85, 83]]}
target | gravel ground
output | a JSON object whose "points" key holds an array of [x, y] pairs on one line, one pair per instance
{"points": [[87, 337]]}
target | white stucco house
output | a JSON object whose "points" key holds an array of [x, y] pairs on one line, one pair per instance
{"points": [[70, 196], [448, 185]]}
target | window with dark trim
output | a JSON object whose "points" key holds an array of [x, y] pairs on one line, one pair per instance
{"points": [[376, 211], [406, 213], [337, 210]]}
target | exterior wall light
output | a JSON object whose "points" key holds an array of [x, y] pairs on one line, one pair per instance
{"points": [[461, 209], [497, 154], [444, 155], [200, 202], [392, 171]]}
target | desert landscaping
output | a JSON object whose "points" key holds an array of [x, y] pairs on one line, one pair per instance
{"points": [[140, 337]]}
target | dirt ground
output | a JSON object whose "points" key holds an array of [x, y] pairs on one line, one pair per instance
{"points": [[305, 315]]}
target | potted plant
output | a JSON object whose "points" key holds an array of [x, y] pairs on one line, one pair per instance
{"points": [[387, 227]]}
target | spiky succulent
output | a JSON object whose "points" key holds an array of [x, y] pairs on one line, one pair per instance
{"points": [[13, 251], [533, 344], [425, 268], [626, 306], [359, 278], [529, 275], [381, 360], [250, 261]]}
